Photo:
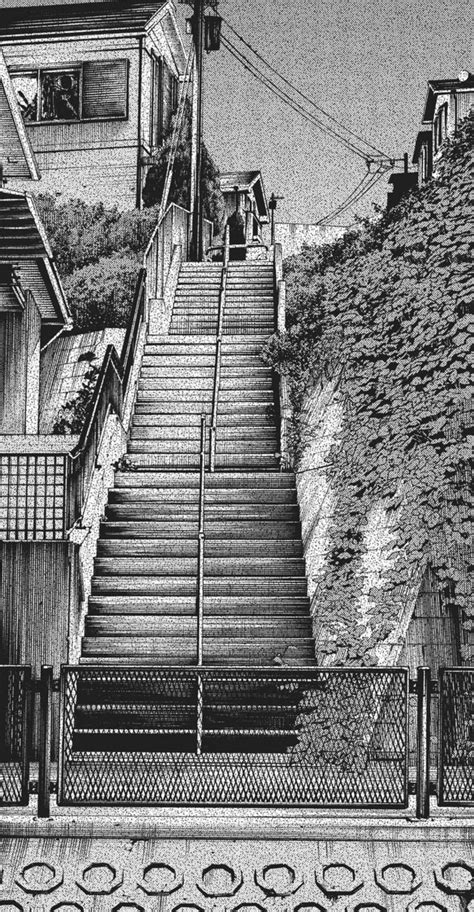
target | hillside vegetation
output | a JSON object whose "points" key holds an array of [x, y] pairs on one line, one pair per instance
{"points": [[383, 314]]}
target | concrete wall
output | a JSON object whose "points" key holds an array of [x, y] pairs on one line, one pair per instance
{"points": [[293, 235]]}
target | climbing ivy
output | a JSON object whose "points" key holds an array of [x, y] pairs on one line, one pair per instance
{"points": [[383, 314]]}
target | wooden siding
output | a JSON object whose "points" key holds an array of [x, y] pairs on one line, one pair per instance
{"points": [[39, 602], [432, 636], [12, 155], [12, 367]]}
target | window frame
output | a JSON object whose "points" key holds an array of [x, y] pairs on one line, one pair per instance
{"points": [[16, 72], [441, 126]]}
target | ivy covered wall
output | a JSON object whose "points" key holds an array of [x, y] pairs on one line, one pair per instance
{"points": [[377, 354]]}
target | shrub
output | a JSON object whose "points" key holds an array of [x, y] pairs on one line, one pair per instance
{"points": [[74, 413], [383, 314], [81, 234], [101, 294]]}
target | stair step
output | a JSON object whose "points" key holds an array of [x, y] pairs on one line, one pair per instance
{"points": [[163, 647], [214, 566], [186, 585], [239, 530], [225, 512], [235, 628], [215, 606], [221, 496], [188, 547], [226, 480]]}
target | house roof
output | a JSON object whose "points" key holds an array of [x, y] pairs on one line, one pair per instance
{"points": [[246, 181], [443, 86], [117, 17], [23, 243], [16, 153]]}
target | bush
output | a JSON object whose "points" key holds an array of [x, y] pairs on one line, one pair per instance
{"points": [[81, 234], [74, 413], [383, 315], [101, 294]]}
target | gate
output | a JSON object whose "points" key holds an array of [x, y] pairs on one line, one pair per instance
{"points": [[14, 760], [210, 736], [456, 768]]}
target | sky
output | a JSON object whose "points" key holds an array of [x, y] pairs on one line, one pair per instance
{"points": [[366, 62]]}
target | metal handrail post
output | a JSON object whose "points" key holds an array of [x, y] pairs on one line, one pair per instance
{"points": [[44, 771], [423, 743], [217, 367], [200, 581], [226, 246]]}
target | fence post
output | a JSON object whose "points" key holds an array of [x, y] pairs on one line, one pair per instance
{"points": [[44, 772], [423, 743]]}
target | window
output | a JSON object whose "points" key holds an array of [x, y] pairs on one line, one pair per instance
{"points": [[92, 91], [440, 126], [164, 100]]}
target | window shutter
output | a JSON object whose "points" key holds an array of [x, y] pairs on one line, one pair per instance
{"points": [[105, 88]]}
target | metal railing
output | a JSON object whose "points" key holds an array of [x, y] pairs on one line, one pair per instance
{"points": [[319, 737], [15, 688], [218, 356], [456, 767], [193, 736], [32, 495], [107, 396]]}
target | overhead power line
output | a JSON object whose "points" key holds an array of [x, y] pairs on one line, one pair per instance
{"points": [[295, 105], [367, 183], [307, 98]]}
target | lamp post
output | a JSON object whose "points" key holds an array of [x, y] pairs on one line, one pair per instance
{"points": [[272, 204], [206, 35]]}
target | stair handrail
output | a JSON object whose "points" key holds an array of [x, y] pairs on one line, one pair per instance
{"points": [[218, 358], [201, 540], [200, 585], [284, 408]]}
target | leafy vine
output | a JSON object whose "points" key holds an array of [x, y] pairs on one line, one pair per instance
{"points": [[384, 311]]}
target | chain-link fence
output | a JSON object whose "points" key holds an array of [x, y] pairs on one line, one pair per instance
{"points": [[14, 760], [205, 736], [456, 766]]}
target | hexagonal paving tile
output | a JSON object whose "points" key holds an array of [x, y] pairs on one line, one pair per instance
{"points": [[100, 879], [67, 907], [10, 905], [128, 907], [160, 879], [455, 877], [338, 880], [427, 905], [220, 880], [39, 877], [397, 878], [310, 907], [278, 880]]}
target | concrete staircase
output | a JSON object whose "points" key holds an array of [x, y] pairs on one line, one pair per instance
{"points": [[142, 609]]}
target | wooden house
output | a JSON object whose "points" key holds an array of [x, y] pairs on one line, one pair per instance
{"points": [[448, 102], [245, 189], [97, 85], [33, 309]]}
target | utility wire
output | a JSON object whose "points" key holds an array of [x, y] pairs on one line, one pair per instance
{"points": [[362, 188], [306, 97], [283, 96]]}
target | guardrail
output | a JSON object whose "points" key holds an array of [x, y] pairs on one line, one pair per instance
{"points": [[15, 692], [314, 737]]}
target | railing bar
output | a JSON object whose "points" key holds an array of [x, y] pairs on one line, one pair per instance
{"points": [[423, 743], [44, 771]]}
